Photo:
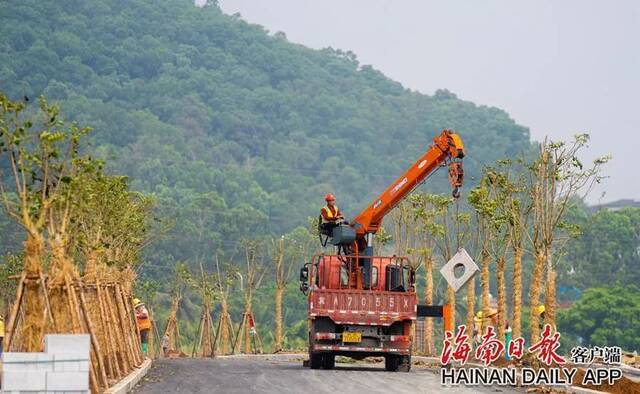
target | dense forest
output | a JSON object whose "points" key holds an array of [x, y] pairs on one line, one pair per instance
{"points": [[238, 133]]}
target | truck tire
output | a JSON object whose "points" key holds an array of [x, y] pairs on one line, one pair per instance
{"points": [[315, 360], [328, 361], [405, 364], [391, 362]]}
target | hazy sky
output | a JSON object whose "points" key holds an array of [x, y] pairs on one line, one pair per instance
{"points": [[558, 67]]}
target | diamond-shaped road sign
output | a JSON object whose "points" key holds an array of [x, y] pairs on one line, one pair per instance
{"points": [[460, 259]]}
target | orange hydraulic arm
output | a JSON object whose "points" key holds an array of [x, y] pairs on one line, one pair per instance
{"points": [[447, 147]]}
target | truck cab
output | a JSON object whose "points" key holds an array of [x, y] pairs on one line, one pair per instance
{"points": [[350, 318]]}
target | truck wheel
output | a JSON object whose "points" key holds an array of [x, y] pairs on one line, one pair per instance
{"points": [[405, 364], [391, 362], [315, 360], [328, 361]]}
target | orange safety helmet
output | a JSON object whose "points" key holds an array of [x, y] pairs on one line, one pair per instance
{"points": [[329, 197]]}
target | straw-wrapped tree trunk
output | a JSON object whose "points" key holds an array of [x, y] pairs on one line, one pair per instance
{"points": [[425, 211], [485, 278], [486, 199], [429, 346], [28, 207], [40, 155], [471, 285], [110, 226], [471, 305], [557, 177], [172, 328], [224, 330], [515, 204], [204, 345], [451, 231], [247, 329], [69, 310], [50, 191], [282, 263]]}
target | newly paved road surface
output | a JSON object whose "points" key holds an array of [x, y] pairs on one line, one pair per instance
{"points": [[278, 374]]}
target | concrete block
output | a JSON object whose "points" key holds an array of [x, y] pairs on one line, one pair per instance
{"points": [[460, 259], [27, 362], [11, 357], [24, 380], [67, 343], [66, 366], [67, 381], [70, 362], [45, 362], [20, 361]]}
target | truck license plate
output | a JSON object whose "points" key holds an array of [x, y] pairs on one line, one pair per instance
{"points": [[351, 337]]}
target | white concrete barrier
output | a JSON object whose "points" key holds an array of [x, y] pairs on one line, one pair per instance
{"points": [[62, 368], [128, 383]]}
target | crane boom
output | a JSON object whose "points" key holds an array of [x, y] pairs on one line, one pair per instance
{"points": [[446, 147]]}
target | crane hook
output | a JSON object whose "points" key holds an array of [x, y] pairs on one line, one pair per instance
{"points": [[456, 177], [456, 192]]}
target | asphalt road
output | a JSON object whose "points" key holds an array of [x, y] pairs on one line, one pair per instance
{"points": [[278, 374]]}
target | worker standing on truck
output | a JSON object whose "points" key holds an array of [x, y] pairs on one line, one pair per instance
{"points": [[144, 324], [330, 215]]}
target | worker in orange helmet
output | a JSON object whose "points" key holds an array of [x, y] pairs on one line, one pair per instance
{"points": [[330, 215]]}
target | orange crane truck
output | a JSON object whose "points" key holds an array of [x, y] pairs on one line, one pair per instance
{"points": [[361, 305]]}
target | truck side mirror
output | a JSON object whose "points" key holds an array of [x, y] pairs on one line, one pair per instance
{"points": [[304, 279], [304, 274], [412, 278]]}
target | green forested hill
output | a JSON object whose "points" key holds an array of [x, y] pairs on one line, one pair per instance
{"points": [[236, 130]]}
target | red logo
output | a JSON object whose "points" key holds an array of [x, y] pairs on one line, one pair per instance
{"points": [[490, 348], [461, 350], [546, 347], [516, 348]]}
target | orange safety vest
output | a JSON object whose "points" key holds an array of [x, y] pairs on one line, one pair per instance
{"points": [[142, 318], [329, 213]]}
